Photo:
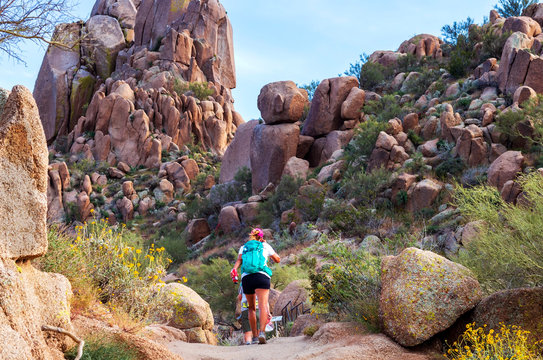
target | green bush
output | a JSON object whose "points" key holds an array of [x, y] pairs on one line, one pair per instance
{"points": [[529, 117], [385, 109], [310, 202], [108, 264], [285, 274], [200, 90], [507, 253], [348, 285], [369, 74], [344, 217], [450, 167], [284, 197], [212, 282], [508, 8], [419, 84], [359, 149], [104, 348], [364, 186]]}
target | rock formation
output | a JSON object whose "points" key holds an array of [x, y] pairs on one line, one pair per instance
{"points": [[29, 298], [141, 74]]}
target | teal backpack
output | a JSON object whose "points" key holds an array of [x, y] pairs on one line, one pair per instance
{"points": [[253, 260]]}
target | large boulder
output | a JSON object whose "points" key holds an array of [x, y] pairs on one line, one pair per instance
{"points": [[271, 147], [23, 178], [505, 168], [352, 106], [423, 294], [423, 195], [520, 307], [296, 168], [184, 309], [236, 155], [282, 101], [229, 219], [523, 24], [295, 293], [52, 87], [517, 41], [325, 112], [196, 230], [101, 41]]}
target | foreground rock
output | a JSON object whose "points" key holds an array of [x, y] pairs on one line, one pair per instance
{"points": [[282, 101], [423, 294], [28, 298]]}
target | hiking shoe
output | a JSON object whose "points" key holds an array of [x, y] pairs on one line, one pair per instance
{"points": [[248, 343], [255, 341], [262, 337]]}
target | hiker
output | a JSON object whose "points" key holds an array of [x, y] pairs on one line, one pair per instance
{"points": [[256, 278], [244, 318]]}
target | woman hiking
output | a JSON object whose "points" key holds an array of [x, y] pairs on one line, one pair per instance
{"points": [[255, 278]]}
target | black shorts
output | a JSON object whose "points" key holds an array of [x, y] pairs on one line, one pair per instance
{"points": [[255, 281]]}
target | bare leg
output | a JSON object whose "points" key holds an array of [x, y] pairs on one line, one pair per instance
{"points": [[263, 295], [248, 336], [252, 313]]}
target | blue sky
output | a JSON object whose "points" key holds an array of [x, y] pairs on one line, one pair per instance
{"points": [[299, 40]]}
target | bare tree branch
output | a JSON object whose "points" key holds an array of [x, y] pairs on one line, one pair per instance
{"points": [[33, 20], [73, 336]]}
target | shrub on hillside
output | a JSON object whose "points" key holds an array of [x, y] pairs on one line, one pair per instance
{"points": [[348, 284], [107, 264], [359, 149], [283, 199], [212, 282], [103, 347], [386, 108], [344, 217], [369, 74], [285, 274], [200, 90], [508, 8], [363, 186], [418, 85], [513, 123], [507, 251]]}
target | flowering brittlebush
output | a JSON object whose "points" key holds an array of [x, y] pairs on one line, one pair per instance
{"points": [[510, 342]]}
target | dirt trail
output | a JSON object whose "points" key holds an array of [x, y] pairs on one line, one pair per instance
{"points": [[367, 347]]}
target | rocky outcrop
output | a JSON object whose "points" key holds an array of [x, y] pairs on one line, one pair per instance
{"points": [[295, 293], [236, 155], [325, 112], [282, 102], [28, 298], [505, 168], [138, 63], [423, 294]]}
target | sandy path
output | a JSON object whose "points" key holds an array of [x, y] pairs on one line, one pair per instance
{"points": [[369, 347], [275, 349]]}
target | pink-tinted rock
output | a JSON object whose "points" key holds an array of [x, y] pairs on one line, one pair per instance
{"points": [[385, 141], [524, 93], [522, 24], [448, 121], [534, 78], [271, 147], [282, 102], [411, 122], [429, 148], [229, 219], [128, 188], [55, 208], [323, 148], [237, 155], [196, 230], [505, 168], [423, 195], [304, 145], [52, 87], [87, 186], [248, 213], [325, 113], [352, 106], [519, 70], [191, 168], [514, 43], [177, 47], [126, 208], [296, 168]]}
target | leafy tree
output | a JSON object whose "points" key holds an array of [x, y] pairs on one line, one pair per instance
{"points": [[508, 8], [451, 33], [33, 20]]}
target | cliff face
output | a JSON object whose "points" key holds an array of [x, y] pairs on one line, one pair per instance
{"points": [[125, 89]]}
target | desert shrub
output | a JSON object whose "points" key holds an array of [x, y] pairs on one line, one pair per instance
{"points": [[408, 63], [385, 109], [463, 103], [415, 138], [344, 217], [285, 274], [509, 342], [349, 284], [512, 122], [175, 243], [310, 202], [493, 43], [212, 282], [369, 74], [460, 60], [200, 90], [364, 186], [507, 251], [284, 197], [451, 33], [108, 264], [419, 84], [416, 165], [475, 176], [450, 167], [359, 149]]}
